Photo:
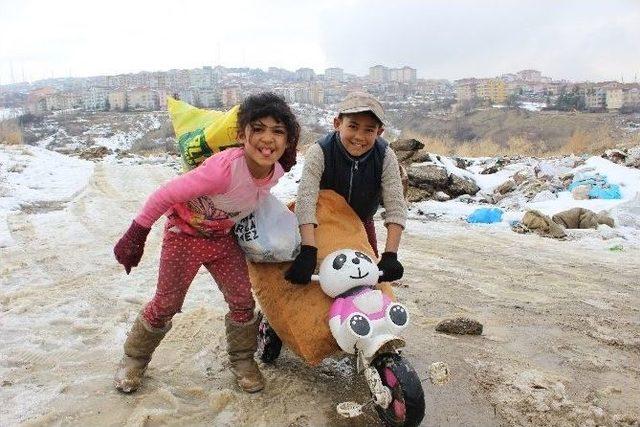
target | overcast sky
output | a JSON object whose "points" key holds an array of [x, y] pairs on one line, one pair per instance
{"points": [[576, 40]]}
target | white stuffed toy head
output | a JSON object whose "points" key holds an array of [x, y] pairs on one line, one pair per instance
{"points": [[345, 269]]}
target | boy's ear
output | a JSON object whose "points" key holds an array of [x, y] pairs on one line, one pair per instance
{"points": [[337, 121], [380, 130]]}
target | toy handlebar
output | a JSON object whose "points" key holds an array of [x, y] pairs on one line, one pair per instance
{"points": [[316, 277]]}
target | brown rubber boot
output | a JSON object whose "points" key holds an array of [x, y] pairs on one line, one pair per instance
{"points": [[138, 348], [242, 343]]}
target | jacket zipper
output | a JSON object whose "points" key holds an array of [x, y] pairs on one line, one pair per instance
{"points": [[354, 168]]}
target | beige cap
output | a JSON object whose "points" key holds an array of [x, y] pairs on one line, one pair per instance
{"points": [[359, 102]]}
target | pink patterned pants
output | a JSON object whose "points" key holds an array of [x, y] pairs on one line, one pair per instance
{"points": [[181, 258]]}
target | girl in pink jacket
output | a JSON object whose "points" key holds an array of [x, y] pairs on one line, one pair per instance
{"points": [[202, 207]]}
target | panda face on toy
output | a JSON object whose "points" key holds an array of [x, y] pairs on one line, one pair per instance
{"points": [[345, 269]]}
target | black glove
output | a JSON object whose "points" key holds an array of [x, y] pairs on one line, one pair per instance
{"points": [[303, 266], [390, 266]]}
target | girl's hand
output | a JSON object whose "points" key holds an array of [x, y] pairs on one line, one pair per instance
{"points": [[129, 249]]}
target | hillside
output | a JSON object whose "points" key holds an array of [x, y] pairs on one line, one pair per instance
{"points": [[518, 131]]}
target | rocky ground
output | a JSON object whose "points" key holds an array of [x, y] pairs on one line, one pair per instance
{"points": [[560, 342]]}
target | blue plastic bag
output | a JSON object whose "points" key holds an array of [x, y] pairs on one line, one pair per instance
{"points": [[612, 191], [599, 188], [485, 216]]}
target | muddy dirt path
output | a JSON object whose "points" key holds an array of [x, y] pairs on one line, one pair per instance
{"points": [[561, 344]]}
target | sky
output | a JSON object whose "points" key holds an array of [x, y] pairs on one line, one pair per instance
{"points": [[565, 39]]}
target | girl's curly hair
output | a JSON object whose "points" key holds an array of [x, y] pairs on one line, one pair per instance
{"points": [[267, 104]]}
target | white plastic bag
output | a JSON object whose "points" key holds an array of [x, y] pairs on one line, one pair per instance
{"points": [[270, 233]]}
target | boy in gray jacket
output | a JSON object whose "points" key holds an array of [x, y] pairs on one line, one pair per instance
{"points": [[355, 162]]}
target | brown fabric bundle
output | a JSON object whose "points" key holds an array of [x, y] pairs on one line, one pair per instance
{"points": [[543, 225], [582, 218], [298, 313]]}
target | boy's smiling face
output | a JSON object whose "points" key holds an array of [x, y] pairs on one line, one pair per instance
{"points": [[358, 132]]}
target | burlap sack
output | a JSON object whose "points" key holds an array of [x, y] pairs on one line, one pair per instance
{"points": [[298, 313], [543, 225], [582, 218]]}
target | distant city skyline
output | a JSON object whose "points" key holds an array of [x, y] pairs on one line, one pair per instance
{"points": [[321, 73], [572, 40]]}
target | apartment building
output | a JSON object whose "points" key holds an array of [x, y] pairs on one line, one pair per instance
{"points": [[231, 96], [379, 74], [163, 93], [614, 98], [334, 74], [209, 98], [305, 74], [289, 93], [316, 95], [95, 98], [403, 75], [63, 101], [117, 100], [157, 80], [632, 96], [494, 90], [465, 89], [142, 99], [595, 99], [178, 79], [36, 100], [190, 96], [201, 78]]}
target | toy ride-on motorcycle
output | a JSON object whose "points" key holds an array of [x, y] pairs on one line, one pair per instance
{"points": [[348, 311]]}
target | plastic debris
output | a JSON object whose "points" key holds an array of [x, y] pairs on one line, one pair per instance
{"points": [[439, 373], [599, 187], [485, 216], [349, 409]]}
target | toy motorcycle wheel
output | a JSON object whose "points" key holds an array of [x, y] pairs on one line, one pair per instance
{"points": [[269, 343], [407, 406]]}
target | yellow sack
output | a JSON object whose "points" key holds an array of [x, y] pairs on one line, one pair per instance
{"points": [[300, 314], [201, 133]]}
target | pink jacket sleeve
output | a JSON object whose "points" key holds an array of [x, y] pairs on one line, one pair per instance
{"points": [[211, 177]]}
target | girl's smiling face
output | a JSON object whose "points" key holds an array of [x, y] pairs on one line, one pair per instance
{"points": [[264, 140]]}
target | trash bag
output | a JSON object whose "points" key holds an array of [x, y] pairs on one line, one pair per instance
{"points": [[485, 216], [599, 187], [611, 191], [270, 233], [201, 133], [582, 218], [543, 225]]}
